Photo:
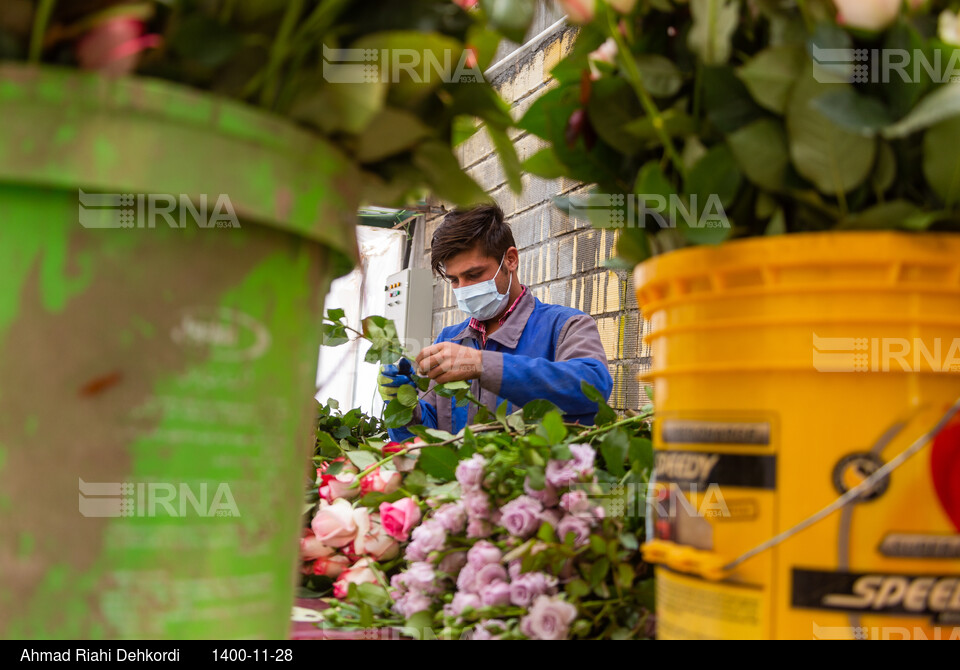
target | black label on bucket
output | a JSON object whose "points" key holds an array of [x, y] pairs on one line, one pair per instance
{"points": [[695, 468], [937, 596], [688, 431]]}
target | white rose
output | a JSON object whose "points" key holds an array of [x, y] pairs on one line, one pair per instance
{"points": [[867, 14]]}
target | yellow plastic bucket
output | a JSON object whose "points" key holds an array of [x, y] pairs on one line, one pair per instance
{"points": [[786, 371]]}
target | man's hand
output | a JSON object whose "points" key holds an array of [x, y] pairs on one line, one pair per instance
{"points": [[449, 362], [392, 377]]}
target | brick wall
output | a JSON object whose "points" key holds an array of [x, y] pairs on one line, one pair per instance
{"points": [[560, 258]]}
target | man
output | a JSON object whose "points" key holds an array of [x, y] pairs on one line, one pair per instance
{"points": [[512, 346]]}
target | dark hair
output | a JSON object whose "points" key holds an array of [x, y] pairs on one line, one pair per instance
{"points": [[464, 229]]}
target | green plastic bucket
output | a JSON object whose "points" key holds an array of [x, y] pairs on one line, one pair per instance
{"points": [[156, 383]]}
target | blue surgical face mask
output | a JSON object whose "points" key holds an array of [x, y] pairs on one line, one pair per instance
{"points": [[482, 301]]}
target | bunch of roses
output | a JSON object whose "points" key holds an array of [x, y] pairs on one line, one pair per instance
{"points": [[456, 548], [344, 540]]}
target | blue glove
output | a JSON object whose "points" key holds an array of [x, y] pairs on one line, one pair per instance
{"points": [[392, 377]]}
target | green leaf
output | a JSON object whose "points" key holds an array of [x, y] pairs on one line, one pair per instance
{"points": [[515, 421], [762, 153], [577, 588], [612, 106], [537, 478], [415, 482], [421, 621], [829, 36], [390, 132], [423, 383], [714, 23], [626, 574], [890, 215], [362, 459], [396, 414], [409, 87], [501, 414], [440, 435], [204, 41], [614, 448], [374, 595], [728, 103], [605, 414], [661, 77], [347, 107], [548, 117], [545, 533], [777, 224], [561, 452], [508, 157], [716, 174], [715, 180], [598, 571], [545, 164], [629, 541], [407, 395], [641, 452], [903, 96], [332, 335], [510, 17], [536, 409], [335, 314], [852, 111], [445, 176], [633, 247], [448, 389], [326, 445], [834, 159], [421, 432], [439, 462], [941, 160], [374, 498], [885, 172], [676, 123], [552, 427], [464, 127], [771, 74]]}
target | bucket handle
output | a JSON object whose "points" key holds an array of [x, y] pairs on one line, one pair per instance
{"points": [[711, 566]]}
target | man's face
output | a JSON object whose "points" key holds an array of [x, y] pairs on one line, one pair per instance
{"points": [[472, 267]]}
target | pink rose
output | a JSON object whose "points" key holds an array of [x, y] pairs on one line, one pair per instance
{"points": [[867, 14], [399, 518], [377, 544], [337, 524], [113, 46], [462, 601], [479, 528], [359, 573], [578, 11], [381, 481], [548, 619], [338, 486], [623, 6], [470, 473], [330, 566]]}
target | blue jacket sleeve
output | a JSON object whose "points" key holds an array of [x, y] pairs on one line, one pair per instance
{"points": [[579, 357]]}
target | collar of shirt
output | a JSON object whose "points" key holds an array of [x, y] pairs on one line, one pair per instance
{"points": [[482, 329]]}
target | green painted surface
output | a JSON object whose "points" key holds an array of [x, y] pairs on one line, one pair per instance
{"points": [[179, 361]]}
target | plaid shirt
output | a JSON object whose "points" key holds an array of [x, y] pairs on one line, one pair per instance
{"points": [[482, 329]]}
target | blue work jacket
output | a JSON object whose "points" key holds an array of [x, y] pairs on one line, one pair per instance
{"points": [[540, 351]]}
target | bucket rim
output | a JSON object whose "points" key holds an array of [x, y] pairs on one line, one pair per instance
{"points": [[69, 129], [820, 248]]}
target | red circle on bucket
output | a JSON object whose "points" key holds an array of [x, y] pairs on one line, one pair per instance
{"points": [[945, 468]]}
